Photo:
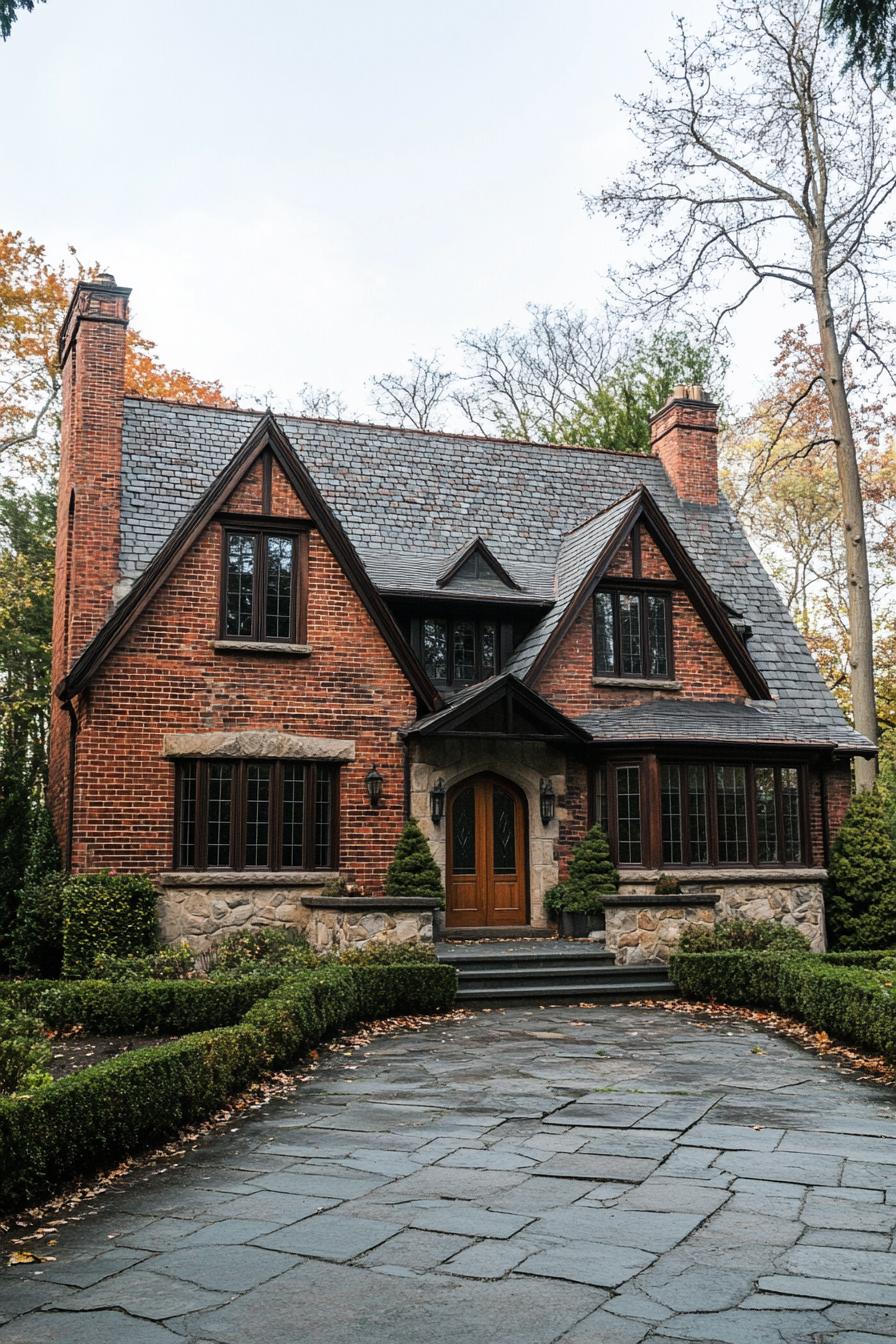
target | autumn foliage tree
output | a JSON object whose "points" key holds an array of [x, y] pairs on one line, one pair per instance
{"points": [[34, 294]]}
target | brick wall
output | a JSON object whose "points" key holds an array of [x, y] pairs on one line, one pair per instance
{"points": [[684, 435], [165, 677], [92, 348], [699, 665]]}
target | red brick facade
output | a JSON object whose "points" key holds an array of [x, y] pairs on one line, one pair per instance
{"points": [[167, 676]]}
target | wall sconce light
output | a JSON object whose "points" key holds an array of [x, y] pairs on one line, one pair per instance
{"points": [[548, 801], [437, 801], [373, 782]]}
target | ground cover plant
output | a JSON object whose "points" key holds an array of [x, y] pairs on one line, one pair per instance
{"points": [[237, 1028]]}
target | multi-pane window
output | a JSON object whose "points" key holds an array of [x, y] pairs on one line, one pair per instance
{"points": [[628, 813], [632, 634], [730, 814], [459, 652], [260, 587], [256, 814]]}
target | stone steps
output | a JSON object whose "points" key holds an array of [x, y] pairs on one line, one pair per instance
{"points": [[547, 972]]}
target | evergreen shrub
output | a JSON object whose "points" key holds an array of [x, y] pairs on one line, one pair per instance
{"points": [[106, 913], [730, 935], [37, 936], [592, 874], [414, 873], [860, 893]]}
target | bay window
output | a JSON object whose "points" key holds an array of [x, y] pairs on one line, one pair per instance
{"points": [[706, 813], [256, 815]]}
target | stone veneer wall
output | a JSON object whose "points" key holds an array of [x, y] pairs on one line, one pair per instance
{"points": [[524, 764], [201, 910], [647, 933], [337, 930], [793, 897]]}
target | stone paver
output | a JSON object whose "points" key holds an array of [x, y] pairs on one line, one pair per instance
{"points": [[606, 1175]]}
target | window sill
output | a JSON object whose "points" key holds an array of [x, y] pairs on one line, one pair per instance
{"points": [[637, 683], [723, 876], [243, 877], [260, 647]]}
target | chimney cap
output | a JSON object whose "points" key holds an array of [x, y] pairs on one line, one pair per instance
{"points": [[106, 279], [688, 392]]}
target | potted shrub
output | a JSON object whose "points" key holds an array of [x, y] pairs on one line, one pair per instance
{"points": [[577, 902]]}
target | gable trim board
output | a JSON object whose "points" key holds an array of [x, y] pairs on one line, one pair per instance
{"points": [[504, 687], [707, 605], [266, 437]]}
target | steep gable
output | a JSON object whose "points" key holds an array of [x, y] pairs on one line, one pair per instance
{"points": [[263, 464]]}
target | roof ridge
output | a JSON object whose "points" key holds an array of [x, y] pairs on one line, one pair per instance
{"points": [[629, 494], [395, 429]]}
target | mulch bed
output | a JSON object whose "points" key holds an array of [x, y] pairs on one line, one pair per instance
{"points": [[75, 1049]]}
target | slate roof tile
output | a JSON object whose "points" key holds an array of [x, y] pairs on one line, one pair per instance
{"points": [[409, 500]]}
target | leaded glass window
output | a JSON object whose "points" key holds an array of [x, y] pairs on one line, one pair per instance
{"points": [[632, 634], [657, 636], [256, 814], [790, 808], [464, 652], [459, 652], [670, 810], [463, 831], [628, 813], [698, 825], [731, 812], [260, 587], [604, 637], [435, 649], [629, 634], [504, 831], [766, 815]]}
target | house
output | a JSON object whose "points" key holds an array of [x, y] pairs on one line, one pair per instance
{"points": [[275, 638]]}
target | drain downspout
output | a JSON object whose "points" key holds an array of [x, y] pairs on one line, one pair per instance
{"points": [[72, 749]]}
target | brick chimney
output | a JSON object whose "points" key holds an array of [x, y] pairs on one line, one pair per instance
{"points": [[91, 359], [684, 436]]}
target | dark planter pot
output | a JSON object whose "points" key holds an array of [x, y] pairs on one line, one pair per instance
{"points": [[574, 924]]}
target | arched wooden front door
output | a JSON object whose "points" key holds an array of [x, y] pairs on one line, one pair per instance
{"points": [[486, 859]]}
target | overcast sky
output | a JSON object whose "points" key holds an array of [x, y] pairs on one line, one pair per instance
{"points": [[310, 190]]}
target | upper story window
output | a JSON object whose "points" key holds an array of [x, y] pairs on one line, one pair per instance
{"points": [[632, 634], [458, 652], [260, 588], [255, 814]]}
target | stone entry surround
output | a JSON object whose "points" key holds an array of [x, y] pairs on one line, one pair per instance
{"points": [[562, 1176]]}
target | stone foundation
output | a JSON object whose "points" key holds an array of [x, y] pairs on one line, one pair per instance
{"points": [[202, 908], [647, 928], [334, 929], [642, 926]]}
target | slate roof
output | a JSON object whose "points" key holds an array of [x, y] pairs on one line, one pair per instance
{"points": [[409, 500], [761, 723]]}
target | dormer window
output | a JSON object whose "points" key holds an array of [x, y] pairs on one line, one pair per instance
{"points": [[458, 652], [632, 634]]}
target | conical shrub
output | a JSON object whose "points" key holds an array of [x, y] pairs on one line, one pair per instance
{"points": [[414, 872]]}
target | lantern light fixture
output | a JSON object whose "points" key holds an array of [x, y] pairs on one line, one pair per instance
{"points": [[373, 782], [548, 801], [437, 801]]}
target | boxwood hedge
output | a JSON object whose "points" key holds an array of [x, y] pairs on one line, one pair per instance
{"points": [[78, 1125], [851, 1001]]}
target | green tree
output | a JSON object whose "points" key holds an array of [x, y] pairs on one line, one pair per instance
{"points": [[860, 893], [16, 805], [868, 28], [616, 414], [37, 937], [9, 12], [414, 872]]}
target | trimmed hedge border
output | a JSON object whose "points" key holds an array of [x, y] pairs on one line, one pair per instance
{"points": [[82, 1123], [846, 998]]}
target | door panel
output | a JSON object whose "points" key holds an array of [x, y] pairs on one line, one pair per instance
{"points": [[486, 879]]}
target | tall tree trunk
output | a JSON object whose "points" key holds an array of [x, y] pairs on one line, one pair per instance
{"points": [[861, 625]]}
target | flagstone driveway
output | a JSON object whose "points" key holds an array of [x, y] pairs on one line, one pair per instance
{"points": [[606, 1175]]}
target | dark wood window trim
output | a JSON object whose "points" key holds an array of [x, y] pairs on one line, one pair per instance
{"points": [[272, 529], [616, 590], [652, 851], [192, 781]]}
